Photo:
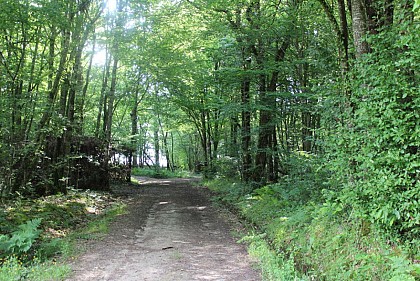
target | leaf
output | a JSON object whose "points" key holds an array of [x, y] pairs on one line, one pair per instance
{"points": [[22, 239], [416, 5]]}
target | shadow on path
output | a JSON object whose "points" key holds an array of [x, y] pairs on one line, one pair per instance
{"points": [[170, 233]]}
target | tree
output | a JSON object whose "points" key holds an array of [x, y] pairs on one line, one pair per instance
{"points": [[251, 84], [381, 150]]}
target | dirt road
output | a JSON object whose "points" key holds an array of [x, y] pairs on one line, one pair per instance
{"points": [[170, 233]]}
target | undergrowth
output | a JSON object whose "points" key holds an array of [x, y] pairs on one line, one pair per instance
{"points": [[160, 173], [37, 236], [302, 235]]}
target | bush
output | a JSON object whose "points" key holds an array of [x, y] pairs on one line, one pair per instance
{"points": [[305, 234], [375, 154], [227, 168]]}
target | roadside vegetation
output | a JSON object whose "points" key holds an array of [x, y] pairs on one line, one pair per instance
{"points": [[160, 173], [299, 230], [306, 114], [39, 235]]}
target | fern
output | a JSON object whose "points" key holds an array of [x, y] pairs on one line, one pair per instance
{"points": [[22, 239]]}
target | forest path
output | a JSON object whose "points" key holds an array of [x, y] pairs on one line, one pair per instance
{"points": [[171, 232]]}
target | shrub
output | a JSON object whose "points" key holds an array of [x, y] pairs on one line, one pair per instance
{"points": [[375, 154], [301, 236]]}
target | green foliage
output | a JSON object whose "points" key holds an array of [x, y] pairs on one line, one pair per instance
{"points": [[63, 216], [12, 269], [29, 252], [50, 248], [160, 173], [274, 265], [97, 228], [21, 240], [375, 154], [181, 67], [350, 249], [303, 237], [416, 5], [227, 167]]}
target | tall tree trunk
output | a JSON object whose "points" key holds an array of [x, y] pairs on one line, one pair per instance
{"points": [[264, 154], [233, 138], [360, 26], [134, 127], [55, 81], [110, 101], [344, 34], [204, 136], [216, 134], [340, 29], [115, 51], [86, 85], [169, 165], [172, 152], [246, 124], [307, 130], [210, 139], [31, 87], [156, 147], [102, 99], [276, 158]]}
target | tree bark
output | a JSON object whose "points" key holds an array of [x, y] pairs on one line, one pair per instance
{"points": [[246, 124], [360, 27], [264, 157]]}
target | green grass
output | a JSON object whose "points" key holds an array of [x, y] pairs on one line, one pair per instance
{"points": [[65, 220], [273, 265], [301, 237], [160, 173], [13, 269], [98, 228]]}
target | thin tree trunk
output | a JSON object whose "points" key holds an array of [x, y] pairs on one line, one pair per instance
{"points": [[264, 155], [204, 137], [86, 85], [246, 125], [102, 99], [134, 125], [53, 91], [156, 147], [110, 103]]}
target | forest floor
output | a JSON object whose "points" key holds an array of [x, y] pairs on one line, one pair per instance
{"points": [[170, 232]]}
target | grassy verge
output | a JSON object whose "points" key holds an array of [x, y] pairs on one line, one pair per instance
{"points": [[38, 236], [299, 236], [160, 173]]}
